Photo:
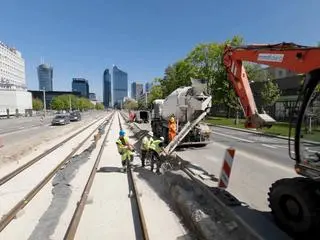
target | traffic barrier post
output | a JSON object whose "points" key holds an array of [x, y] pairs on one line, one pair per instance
{"points": [[226, 168]]}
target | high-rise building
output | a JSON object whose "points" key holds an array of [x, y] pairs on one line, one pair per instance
{"points": [[120, 85], [80, 85], [12, 69], [14, 97], [147, 87], [106, 88], [45, 75], [136, 90], [139, 90], [92, 97]]}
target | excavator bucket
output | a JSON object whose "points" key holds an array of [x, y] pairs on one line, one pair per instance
{"points": [[261, 120]]}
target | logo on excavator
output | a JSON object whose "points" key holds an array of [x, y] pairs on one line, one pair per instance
{"points": [[269, 57]]}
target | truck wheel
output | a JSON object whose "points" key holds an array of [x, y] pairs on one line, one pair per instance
{"points": [[295, 205]]}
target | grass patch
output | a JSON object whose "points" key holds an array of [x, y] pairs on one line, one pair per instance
{"points": [[279, 128]]}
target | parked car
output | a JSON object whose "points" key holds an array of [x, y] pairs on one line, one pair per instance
{"points": [[61, 119], [75, 116]]}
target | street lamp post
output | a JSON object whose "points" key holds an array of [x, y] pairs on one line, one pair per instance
{"points": [[44, 102], [70, 103]]}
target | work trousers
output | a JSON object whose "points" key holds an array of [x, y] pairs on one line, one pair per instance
{"points": [[155, 158], [143, 157]]}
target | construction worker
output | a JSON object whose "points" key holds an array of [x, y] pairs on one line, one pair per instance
{"points": [[172, 126], [125, 149], [156, 147], [145, 144]]}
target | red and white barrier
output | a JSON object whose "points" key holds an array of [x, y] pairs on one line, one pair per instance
{"points": [[226, 168]]}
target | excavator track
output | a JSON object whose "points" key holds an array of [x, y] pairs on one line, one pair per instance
{"points": [[295, 205]]}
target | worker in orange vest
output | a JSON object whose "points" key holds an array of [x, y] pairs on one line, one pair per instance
{"points": [[172, 126]]}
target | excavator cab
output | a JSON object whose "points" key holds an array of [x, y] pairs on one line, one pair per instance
{"points": [[306, 128]]}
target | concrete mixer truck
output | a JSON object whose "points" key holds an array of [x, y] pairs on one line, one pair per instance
{"points": [[189, 106]]}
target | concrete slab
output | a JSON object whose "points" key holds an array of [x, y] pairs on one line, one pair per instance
{"points": [[109, 216], [155, 204]]}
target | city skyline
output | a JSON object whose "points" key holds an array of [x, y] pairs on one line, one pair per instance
{"points": [[143, 56]]}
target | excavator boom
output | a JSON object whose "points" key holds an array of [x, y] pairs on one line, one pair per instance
{"points": [[297, 58]]}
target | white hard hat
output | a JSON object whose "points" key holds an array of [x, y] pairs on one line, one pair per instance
{"points": [[150, 133], [162, 138]]}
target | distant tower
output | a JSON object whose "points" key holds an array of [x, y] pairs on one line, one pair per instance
{"points": [[106, 83], [45, 77], [120, 85]]}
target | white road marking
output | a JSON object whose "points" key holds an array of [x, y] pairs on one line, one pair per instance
{"points": [[279, 146], [269, 146], [21, 128], [241, 139], [259, 159]]}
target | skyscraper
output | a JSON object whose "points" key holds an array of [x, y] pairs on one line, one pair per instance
{"points": [[106, 88], [147, 87], [45, 75], [120, 85], [136, 90], [80, 85], [139, 90], [133, 90]]}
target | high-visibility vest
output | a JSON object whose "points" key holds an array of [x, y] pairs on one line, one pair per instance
{"points": [[145, 144], [155, 145], [121, 145]]}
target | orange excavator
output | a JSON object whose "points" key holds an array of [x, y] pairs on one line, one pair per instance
{"points": [[294, 202]]}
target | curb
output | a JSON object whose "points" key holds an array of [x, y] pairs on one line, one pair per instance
{"points": [[259, 133]]}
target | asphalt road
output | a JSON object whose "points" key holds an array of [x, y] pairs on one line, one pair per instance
{"points": [[13, 125], [259, 161], [21, 141]]}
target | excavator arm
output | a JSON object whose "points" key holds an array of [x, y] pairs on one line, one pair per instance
{"points": [[297, 58]]}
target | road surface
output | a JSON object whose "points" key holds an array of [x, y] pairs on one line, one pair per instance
{"points": [[21, 141], [259, 161]]}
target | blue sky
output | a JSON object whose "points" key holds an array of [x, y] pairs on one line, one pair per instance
{"points": [[80, 38]]}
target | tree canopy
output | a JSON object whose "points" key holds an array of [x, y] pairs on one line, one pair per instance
{"points": [[63, 103], [270, 93], [37, 104], [130, 104], [205, 61]]}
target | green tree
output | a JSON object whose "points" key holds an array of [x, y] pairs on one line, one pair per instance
{"points": [[37, 104], [156, 92], [99, 106], [208, 61], [130, 104], [177, 75], [270, 93], [57, 103]]}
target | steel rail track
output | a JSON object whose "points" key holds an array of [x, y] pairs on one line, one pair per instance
{"points": [[7, 218], [250, 233], [132, 185], [14, 173], [75, 220]]}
